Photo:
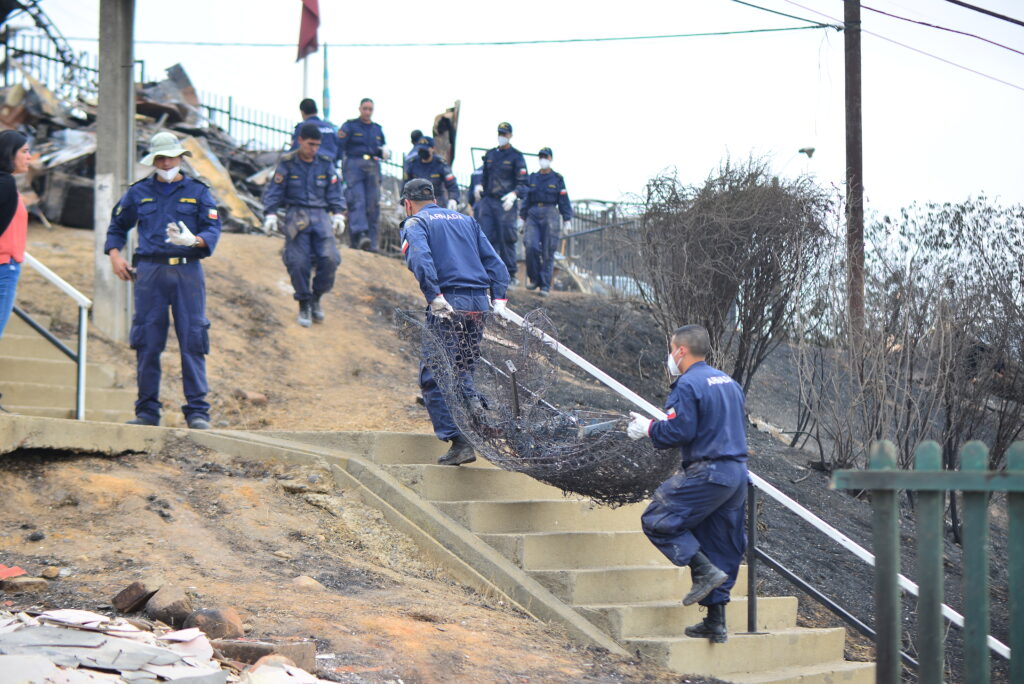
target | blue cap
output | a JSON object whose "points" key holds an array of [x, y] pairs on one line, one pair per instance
{"points": [[545, 152], [426, 142], [504, 127]]}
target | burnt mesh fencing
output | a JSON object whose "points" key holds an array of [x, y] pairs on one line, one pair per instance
{"points": [[526, 409]]}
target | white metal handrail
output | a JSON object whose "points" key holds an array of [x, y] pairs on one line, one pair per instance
{"points": [[84, 305], [768, 488]]}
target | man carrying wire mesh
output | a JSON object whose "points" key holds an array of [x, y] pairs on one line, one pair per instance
{"points": [[696, 516], [462, 278]]}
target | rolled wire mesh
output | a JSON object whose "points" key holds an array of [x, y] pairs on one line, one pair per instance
{"points": [[526, 409]]}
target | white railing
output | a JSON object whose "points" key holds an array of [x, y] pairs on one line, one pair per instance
{"points": [[84, 305], [768, 488]]}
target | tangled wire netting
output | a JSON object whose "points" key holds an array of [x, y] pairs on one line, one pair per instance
{"points": [[526, 409]]}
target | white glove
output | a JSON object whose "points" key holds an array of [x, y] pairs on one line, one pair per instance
{"points": [[179, 234], [520, 224], [509, 201], [385, 153], [338, 224], [452, 205], [440, 307], [566, 225], [639, 426], [270, 223], [477, 191], [498, 306]]}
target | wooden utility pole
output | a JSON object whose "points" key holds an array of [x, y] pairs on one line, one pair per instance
{"points": [[854, 170]]}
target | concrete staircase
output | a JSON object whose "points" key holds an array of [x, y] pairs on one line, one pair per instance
{"points": [[597, 561], [37, 379]]}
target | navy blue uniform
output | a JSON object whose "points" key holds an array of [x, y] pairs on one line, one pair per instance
{"points": [[438, 173], [328, 133], [359, 147], [702, 507], [168, 276], [546, 202], [504, 172], [475, 179], [449, 254], [307, 191]]}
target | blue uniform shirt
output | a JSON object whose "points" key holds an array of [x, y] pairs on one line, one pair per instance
{"points": [[546, 190], [475, 179], [328, 133], [706, 419], [297, 183], [435, 171], [504, 171], [357, 138], [152, 205], [445, 250]]}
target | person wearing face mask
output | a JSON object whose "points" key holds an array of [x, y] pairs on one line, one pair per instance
{"points": [[461, 277], [361, 146], [696, 517], [14, 159], [545, 211], [427, 165], [306, 187], [503, 182], [177, 225]]}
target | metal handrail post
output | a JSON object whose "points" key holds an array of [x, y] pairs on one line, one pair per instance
{"points": [[83, 336], [751, 558]]}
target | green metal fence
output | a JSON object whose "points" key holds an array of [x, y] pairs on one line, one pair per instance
{"points": [[931, 484]]}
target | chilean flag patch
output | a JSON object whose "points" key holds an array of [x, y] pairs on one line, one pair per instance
{"points": [[405, 247], [212, 214], [671, 413]]}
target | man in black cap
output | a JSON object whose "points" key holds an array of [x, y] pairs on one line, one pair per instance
{"points": [[503, 182], [462, 278], [544, 213]]}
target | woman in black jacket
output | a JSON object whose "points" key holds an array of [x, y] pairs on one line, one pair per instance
{"points": [[14, 158]]}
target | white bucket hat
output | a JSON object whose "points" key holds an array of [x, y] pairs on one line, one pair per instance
{"points": [[164, 145]]}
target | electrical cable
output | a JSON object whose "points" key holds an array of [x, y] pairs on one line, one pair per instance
{"points": [[480, 43], [988, 12], [941, 28], [788, 16]]}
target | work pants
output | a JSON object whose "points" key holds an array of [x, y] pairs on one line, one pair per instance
{"points": [[500, 228], [451, 348], [362, 193], [543, 231], [702, 509], [314, 246], [182, 289]]}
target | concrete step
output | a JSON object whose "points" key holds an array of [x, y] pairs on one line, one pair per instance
{"points": [[745, 654], [550, 515], [841, 672], [384, 448], [98, 415], [471, 483], [564, 550], [16, 326], [620, 585], [36, 394], [32, 346], [669, 618], [53, 372]]}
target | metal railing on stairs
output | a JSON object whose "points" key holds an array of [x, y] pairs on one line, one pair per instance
{"points": [[84, 305]]}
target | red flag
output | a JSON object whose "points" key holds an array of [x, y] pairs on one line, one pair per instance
{"points": [[307, 29]]}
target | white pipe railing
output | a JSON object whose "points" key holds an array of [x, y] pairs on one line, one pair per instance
{"points": [[768, 488], [84, 305]]}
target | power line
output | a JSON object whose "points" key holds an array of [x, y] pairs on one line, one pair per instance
{"points": [[988, 12], [788, 16], [927, 54], [941, 28], [480, 43]]}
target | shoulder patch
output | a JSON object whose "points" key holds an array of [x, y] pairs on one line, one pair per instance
{"points": [[278, 178], [212, 214]]}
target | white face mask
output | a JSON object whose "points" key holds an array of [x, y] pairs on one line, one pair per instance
{"points": [[168, 174], [673, 367], [502, 141], [544, 163]]}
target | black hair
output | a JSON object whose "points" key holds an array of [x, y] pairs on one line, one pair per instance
{"points": [[10, 143], [307, 106], [695, 338], [310, 131], [415, 136], [364, 101]]}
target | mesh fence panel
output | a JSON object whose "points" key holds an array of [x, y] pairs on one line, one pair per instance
{"points": [[526, 409]]}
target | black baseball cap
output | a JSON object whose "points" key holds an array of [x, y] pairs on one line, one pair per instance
{"points": [[418, 190], [545, 152], [504, 127]]}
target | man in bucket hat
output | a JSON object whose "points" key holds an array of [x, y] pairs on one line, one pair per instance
{"points": [[177, 226]]}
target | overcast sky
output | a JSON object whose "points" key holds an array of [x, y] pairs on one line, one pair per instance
{"points": [[617, 113]]}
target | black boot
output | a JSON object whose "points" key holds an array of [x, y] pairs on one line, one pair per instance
{"points": [[305, 314], [461, 452], [704, 578], [318, 313], [712, 627]]}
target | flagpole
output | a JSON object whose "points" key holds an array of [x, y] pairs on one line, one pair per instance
{"points": [[305, 76]]}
